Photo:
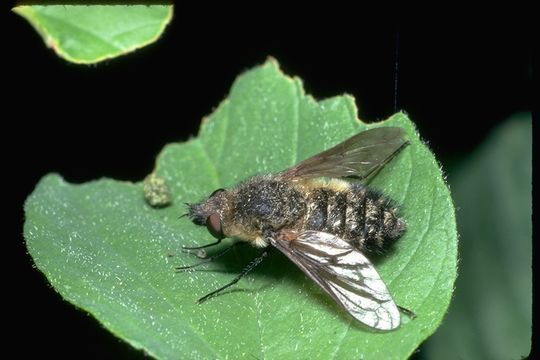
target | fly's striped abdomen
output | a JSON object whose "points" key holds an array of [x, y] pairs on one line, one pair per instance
{"points": [[355, 213]]}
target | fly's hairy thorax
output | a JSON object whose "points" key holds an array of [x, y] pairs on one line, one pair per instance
{"points": [[264, 205], [357, 214]]}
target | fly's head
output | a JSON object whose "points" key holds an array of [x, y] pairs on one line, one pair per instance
{"points": [[210, 213]]}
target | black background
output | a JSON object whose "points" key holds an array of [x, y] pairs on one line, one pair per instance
{"points": [[456, 81]]}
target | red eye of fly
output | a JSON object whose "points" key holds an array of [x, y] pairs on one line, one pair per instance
{"points": [[213, 224]]}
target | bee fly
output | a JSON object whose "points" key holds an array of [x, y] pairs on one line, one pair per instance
{"points": [[322, 223]]}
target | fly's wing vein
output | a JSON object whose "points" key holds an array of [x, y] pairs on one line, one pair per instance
{"points": [[360, 156], [345, 274]]}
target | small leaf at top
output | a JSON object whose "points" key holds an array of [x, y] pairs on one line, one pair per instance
{"points": [[88, 34]]}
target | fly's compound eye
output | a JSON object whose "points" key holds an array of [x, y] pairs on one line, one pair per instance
{"points": [[213, 224], [216, 192]]}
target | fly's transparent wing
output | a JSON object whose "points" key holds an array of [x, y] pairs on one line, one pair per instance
{"points": [[345, 274], [360, 156]]}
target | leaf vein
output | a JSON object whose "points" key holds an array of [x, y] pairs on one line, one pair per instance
{"points": [[84, 30], [296, 125], [419, 242], [213, 167]]}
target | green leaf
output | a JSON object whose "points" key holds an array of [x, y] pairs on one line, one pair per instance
{"points": [[89, 34], [491, 316], [108, 252]]}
